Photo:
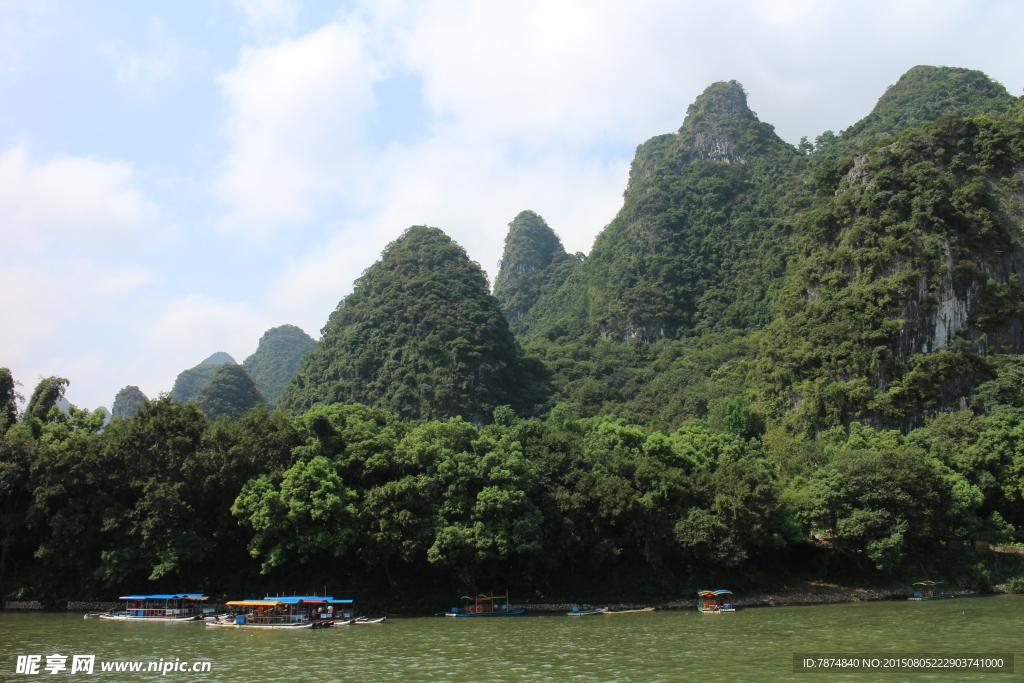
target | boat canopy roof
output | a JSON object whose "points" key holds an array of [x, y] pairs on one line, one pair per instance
{"points": [[293, 599], [296, 600], [711, 594], [168, 596], [254, 603], [928, 583]]}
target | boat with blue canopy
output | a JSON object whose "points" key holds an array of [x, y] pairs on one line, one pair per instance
{"points": [[160, 607], [290, 611], [322, 611], [485, 606], [715, 602], [928, 590]]}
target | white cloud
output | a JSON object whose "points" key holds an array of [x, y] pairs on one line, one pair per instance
{"points": [[70, 202], [297, 118], [71, 228]]}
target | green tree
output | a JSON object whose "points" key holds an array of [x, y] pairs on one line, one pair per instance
{"points": [[44, 397], [17, 454], [8, 400], [307, 512]]}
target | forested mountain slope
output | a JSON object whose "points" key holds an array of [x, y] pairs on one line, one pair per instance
{"points": [[908, 275], [843, 267], [419, 335], [190, 381], [276, 360]]}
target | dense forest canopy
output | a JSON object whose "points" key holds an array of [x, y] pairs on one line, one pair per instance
{"points": [[276, 360], [776, 361], [419, 335]]}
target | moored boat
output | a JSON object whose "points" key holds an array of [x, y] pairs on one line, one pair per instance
{"points": [[714, 602], [628, 611], [322, 611], [929, 591], [485, 606], [282, 613], [174, 607], [362, 621], [577, 612]]}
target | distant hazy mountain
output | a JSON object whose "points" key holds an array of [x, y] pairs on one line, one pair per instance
{"points": [[190, 381], [128, 401]]}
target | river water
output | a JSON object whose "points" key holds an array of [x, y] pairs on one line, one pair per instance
{"points": [[753, 644]]}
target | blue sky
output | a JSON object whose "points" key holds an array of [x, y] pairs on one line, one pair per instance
{"points": [[176, 178]]}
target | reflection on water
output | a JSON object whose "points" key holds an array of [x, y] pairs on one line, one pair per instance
{"points": [[755, 644]]}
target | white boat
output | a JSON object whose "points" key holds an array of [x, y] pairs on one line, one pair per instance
{"points": [[174, 607]]}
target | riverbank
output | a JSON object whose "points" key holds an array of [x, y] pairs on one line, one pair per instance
{"points": [[809, 594]]}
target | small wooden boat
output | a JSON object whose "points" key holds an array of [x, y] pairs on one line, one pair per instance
{"points": [[173, 607], [928, 591], [628, 611], [361, 621], [577, 612], [714, 602], [485, 606]]}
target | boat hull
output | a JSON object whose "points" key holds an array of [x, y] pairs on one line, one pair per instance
{"points": [[934, 597], [124, 617], [307, 624], [512, 613], [629, 611], [586, 612]]}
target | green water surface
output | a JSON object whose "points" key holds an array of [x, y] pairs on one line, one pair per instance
{"points": [[754, 644]]}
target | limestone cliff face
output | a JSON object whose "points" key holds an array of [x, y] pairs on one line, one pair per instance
{"points": [[908, 276], [701, 238], [934, 317]]}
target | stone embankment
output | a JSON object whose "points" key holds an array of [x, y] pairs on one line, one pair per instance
{"points": [[78, 606]]}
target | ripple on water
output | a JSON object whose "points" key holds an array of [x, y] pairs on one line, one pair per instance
{"points": [[750, 645]]}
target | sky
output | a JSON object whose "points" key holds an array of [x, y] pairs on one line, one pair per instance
{"points": [[178, 177]]}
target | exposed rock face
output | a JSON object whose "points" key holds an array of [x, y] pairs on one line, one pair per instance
{"points": [[712, 122]]}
